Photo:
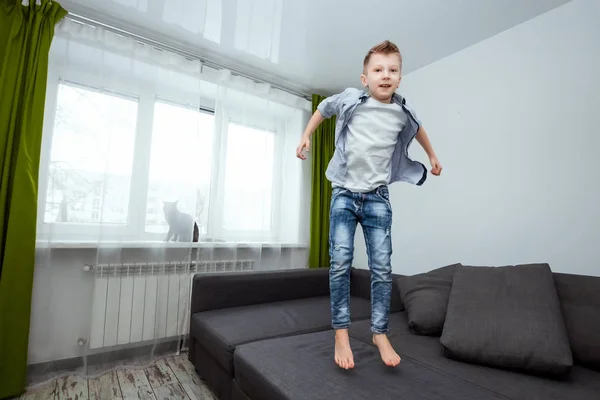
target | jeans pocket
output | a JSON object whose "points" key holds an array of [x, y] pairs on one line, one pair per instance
{"points": [[383, 192], [336, 191]]}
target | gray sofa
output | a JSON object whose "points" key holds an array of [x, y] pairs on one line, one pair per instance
{"points": [[514, 332]]}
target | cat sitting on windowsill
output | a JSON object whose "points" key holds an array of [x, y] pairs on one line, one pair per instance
{"points": [[182, 227]]}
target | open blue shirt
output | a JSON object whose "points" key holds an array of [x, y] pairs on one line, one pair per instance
{"points": [[343, 105]]}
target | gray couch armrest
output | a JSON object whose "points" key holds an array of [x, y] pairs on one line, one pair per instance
{"points": [[215, 291], [360, 286]]}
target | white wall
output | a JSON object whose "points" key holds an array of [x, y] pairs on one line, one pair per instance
{"points": [[515, 121]]}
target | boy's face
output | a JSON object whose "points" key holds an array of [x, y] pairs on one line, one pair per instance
{"points": [[382, 76]]}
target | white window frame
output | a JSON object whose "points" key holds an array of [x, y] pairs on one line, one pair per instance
{"points": [[135, 228], [256, 121]]}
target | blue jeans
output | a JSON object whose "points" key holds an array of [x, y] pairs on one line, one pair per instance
{"points": [[374, 212]]}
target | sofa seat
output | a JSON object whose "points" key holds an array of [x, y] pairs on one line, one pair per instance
{"points": [[220, 331], [582, 384], [302, 367]]}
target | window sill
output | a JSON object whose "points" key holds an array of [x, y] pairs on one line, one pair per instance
{"points": [[78, 244]]}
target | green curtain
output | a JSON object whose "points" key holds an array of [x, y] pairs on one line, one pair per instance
{"points": [[26, 33], [322, 146]]}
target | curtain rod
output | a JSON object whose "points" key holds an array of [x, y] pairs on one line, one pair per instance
{"points": [[163, 46]]}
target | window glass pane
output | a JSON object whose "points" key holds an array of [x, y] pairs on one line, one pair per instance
{"points": [[180, 165], [248, 179], [91, 159]]}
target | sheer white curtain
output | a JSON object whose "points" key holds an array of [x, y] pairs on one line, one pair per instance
{"points": [[139, 142]]}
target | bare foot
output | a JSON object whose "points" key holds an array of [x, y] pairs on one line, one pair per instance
{"points": [[388, 354], [343, 353]]}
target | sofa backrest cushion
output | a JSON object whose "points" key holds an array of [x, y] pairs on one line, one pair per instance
{"points": [[425, 297], [213, 291], [507, 317], [580, 303]]}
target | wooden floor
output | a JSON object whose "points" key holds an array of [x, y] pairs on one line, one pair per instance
{"points": [[169, 378]]}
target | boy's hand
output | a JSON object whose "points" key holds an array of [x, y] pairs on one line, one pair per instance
{"points": [[436, 166], [304, 144]]}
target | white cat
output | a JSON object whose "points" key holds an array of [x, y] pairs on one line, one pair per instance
{"points": [[182, 227]]}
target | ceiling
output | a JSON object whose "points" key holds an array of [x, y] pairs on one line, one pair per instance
{"points": [[313, 46]]}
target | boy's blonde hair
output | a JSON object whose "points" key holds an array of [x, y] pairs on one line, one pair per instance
{"points": [[385, 47]]}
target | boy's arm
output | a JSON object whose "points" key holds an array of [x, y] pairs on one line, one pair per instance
{"points": [[312, 125], [423, 139], [326, 109]]}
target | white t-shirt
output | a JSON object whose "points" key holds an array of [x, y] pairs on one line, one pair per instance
{"points": [[372, 135]]}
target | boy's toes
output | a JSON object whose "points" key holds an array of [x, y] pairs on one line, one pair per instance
{"points": [[393, 361], [344, 363]]}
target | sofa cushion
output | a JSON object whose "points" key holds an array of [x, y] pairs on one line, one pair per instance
{"points": [[217, 290], [582, 383], [425, 297], [507, 317], [220, 331], [580, 303], [303, 367]]}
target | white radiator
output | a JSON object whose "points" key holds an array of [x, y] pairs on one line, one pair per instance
{"points": [[140, 302]]}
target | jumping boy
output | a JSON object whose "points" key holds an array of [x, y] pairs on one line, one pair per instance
{"points": [[373, 133]]}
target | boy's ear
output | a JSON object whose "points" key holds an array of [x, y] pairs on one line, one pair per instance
{"points": [[363, 79]]}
